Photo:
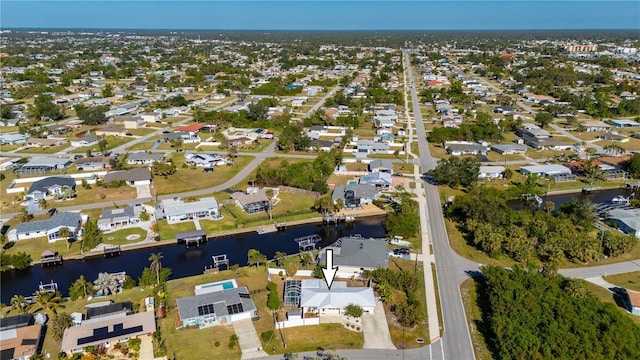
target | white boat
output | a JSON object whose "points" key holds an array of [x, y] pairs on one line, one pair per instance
{"points": [[538, 200], [620, 200], [402, 243]]}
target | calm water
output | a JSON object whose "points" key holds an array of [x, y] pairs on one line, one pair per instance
{"points": [[183, 261]]}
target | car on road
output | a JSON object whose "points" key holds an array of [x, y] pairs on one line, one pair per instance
{"points": [[398, 174], [128, 134]]}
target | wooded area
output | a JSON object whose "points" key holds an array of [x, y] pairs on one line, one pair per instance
{"points": [[527, 316]]}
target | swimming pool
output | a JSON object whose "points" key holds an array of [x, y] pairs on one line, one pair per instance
{"points": [[216, 286], [352, 182]]}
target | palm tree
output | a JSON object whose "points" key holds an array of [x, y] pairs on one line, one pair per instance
{"points": [[18, 302], [592, 171], [43, 203], [156, 265], [47, 301], [65, 233], [24, 215], [105, 284]]}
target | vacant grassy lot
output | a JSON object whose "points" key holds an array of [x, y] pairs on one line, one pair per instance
{"points": [[46, 150], [188, 179], [146, 145], [627, 280]]}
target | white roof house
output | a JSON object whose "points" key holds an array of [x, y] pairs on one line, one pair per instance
{"points": [[491, 172], [545, 170], [317, 298], [177, 210]]}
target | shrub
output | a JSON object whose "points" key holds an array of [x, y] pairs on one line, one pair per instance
{"points": [[217, 344]]}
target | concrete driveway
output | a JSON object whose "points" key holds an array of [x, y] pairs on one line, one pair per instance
{"points": [[248, 339], [376, 330]]}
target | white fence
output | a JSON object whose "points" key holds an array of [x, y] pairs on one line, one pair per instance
{"points": [[297, 322]]}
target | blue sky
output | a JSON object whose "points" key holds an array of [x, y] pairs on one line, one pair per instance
{"points": [[321, 14]]}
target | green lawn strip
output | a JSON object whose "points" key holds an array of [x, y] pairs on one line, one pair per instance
{"points": [[630, 280], [168, 231], [407, 337], [119, 237], [45, 150], [112, 142], [469, 293]]}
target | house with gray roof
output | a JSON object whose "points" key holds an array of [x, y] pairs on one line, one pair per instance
{"points": [[50, 187], [381, 165], [370, 146], [143, 158], [133, 177], [48, 228], [466, 149], [508, 149], [43, 165], [87, 140], [93, 163], [381, 180], [13, 139], [254, 202], [112, 219], [628, 220], [357, 253], [355, 195], [216, 308]]}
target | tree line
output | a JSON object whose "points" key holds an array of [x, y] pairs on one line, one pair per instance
{"points": [[488, 223]]}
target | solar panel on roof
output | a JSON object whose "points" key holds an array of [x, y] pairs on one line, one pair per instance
{"points": [[235, 309], [205, 309], [29, 341]]}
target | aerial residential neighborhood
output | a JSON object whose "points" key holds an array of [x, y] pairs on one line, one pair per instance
{"points": [[318, 195]]}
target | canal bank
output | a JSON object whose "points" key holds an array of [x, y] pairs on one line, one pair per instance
{"points": [[366, 211], [184, 261]]}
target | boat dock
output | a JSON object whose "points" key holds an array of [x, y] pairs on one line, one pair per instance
{"points": [[50, 257], [330, 218], [111, 251], [308, 242], [265, 229], [589, 189], [50, 287], [632, 185]]}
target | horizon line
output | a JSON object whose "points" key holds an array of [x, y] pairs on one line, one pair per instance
{"points": [[325, 30]]}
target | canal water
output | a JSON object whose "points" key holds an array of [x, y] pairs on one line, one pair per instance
{"points": [[596, 197], [183, 261]]}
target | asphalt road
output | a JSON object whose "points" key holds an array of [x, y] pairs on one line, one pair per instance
{"points": [[451, 268]]}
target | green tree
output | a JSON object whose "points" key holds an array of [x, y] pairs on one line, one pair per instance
{"points": [[633, 165], [81, 288], [18, 302], [156, 265], [543, 119], [59, 323], [65, 233], [103, 146], [353, 310], [273, 299], [93, 115], [107, 91], [91, 235], [455, 171], [6, 111], [43, 107], [279, 258], [255, 257], [47, 301]]}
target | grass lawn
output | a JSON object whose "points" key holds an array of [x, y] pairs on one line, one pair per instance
{"points": [[256, 147], [119, 237], [36, 246], [629, 280], [168, 231], [168, 146], [469, 293], [46, 150], [193, 343], [437, 151], [97, 194], [187, 179], [7, 147], [270, 163], [494, 156], [365, 130], [407, 338], [339, 180], [147, 145], [542, 154], [327, 336]]}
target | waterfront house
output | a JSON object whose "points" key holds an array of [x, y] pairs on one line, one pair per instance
{"points": [[356, 254], [49, 228], [545, 170], [112, 219], [381, 180], [253, 202], [627, 220], [20, 341], [355, 195], [175, 210], [220, 307]]}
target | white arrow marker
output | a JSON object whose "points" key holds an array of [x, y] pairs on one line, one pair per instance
{"points": [[330, 272]]}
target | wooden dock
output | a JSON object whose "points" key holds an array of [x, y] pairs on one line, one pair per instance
{"points": [[632, 185], [265, 229], [111, 251], [51, 260], [329, 218]]}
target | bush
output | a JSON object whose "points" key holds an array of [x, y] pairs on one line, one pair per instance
{"points": [[217, 344], [128, 282], [134, 344]]}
